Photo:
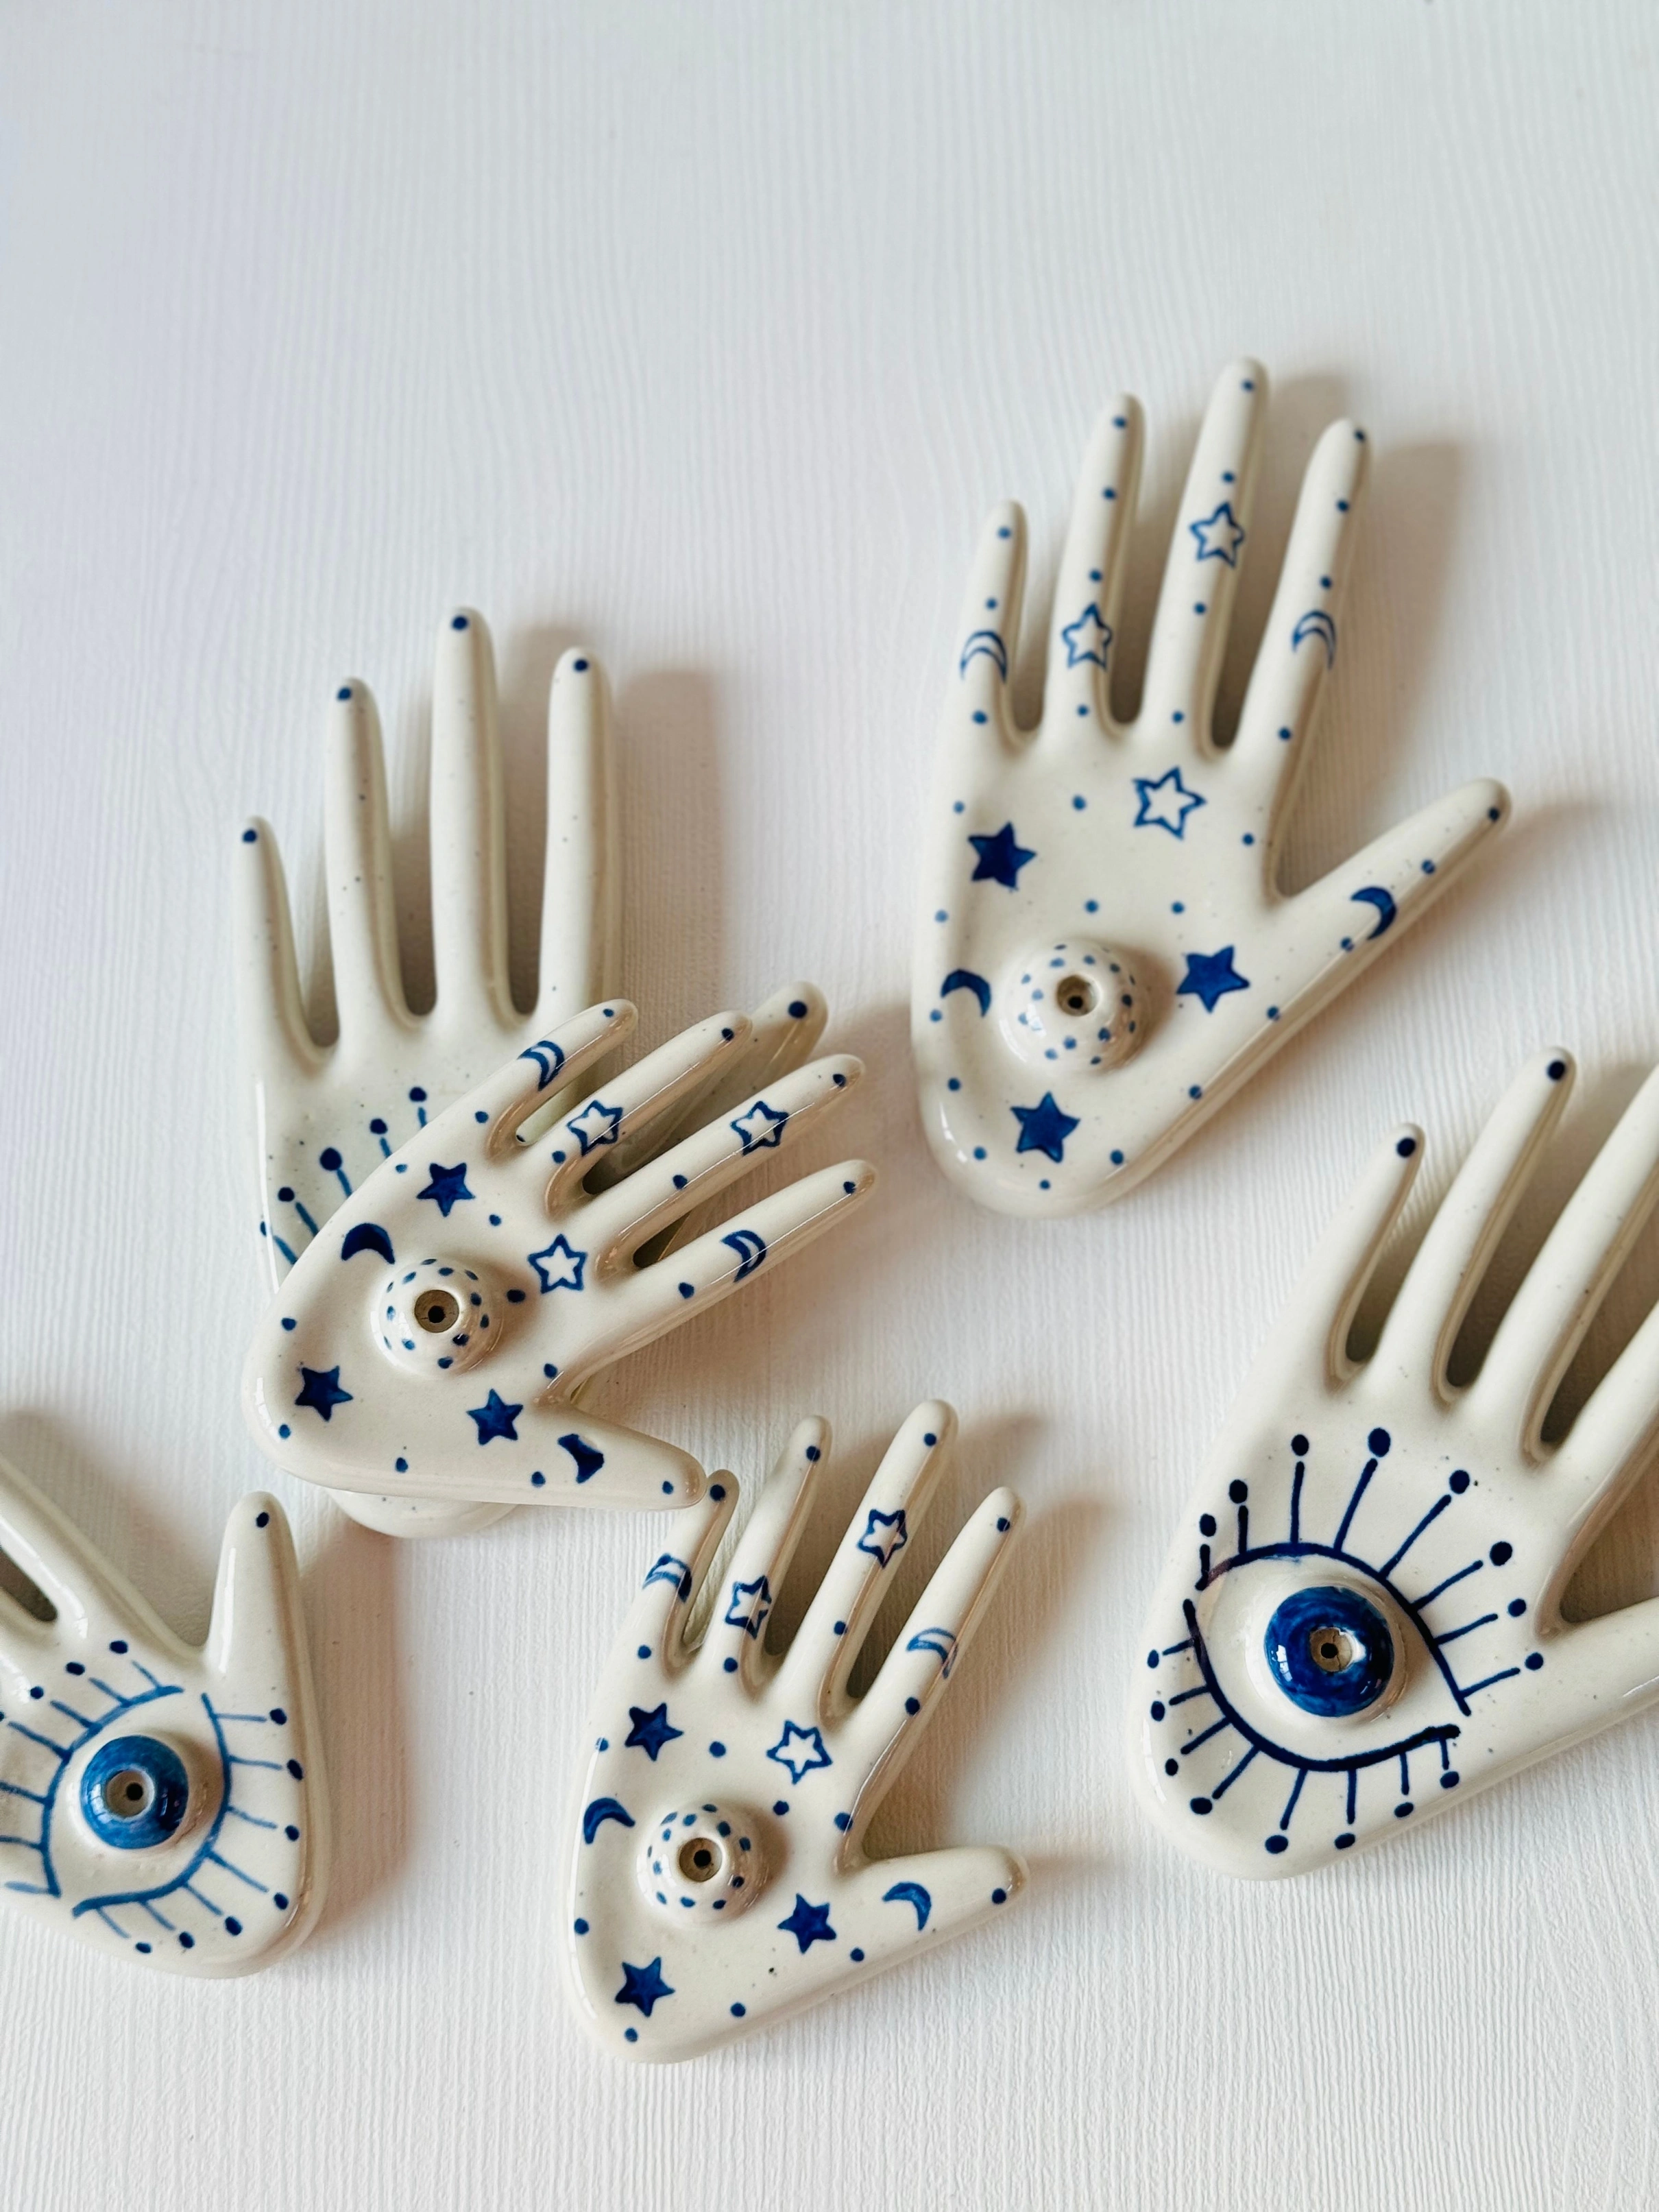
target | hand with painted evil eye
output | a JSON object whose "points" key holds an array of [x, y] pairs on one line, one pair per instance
{"points": [[1360, 1621], [1104, 954], [158, 1802], [434, 1340], [717, 1874]]}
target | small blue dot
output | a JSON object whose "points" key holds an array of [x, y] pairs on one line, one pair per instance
{"points": [[913, 1705], [250, 836], [841, 1628], [284, 1430], [954, 1083], [1517, 1607], [1428, 867], [538, 1480], [731, 1666], [1249, 838], [717, 1492], [1556, 1070], [843, 1821], [1534, 1661], [780, 1807], [402, 1466], [581, 1928], [1273, 1013], [1284, 737], [856, 1956], [1198, 606], [687, 1290], [1196, 1090], [717, 1750], [979, 1152], [811, 1451], [1079, 802], [630, 2035], [580, 667], [1406, 1147], [288, 1322], [1109, 493], [738, 2010], [460, 622], [1342, 506], [1117, 1159], [941, 915], [644, 1651], [1324, 583], [1228, 477], [1177, 717], [998, 1897]]}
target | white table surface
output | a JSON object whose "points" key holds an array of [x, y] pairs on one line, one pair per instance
{"points": [[705, 336]]}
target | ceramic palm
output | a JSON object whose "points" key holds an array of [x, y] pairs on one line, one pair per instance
{"points": [[160, 1802], [717, 1873], [1360, 1621], [1104, 954], [432, 1342]]}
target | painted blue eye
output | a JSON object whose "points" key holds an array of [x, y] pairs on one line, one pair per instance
{"points": [[1330, 1650], [135, 1792]]}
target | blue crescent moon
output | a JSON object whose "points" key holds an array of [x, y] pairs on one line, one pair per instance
{"points": [[588, 1460], [548, 1057], [964, 979], [750, 1248], [1316, 623], [668, 1569], [368, 1236], [941, 1641], [601, 1810], [910, 1893], [1373, 895], [985, 642]]}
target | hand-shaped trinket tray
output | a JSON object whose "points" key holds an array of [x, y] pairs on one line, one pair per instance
{"points": [[1104, 954], [717, 1874], [432, 1338], [161, 1802], [325, 1117], [1360, 1621]]}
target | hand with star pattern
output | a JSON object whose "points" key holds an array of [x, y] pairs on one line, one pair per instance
{"points": [[1104, 954], [432, 1342], [718, 1879]]}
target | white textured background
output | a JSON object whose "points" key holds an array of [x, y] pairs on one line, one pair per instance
{"points": [[704, 335]]}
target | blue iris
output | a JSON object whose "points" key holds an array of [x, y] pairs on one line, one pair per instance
{"points": [[1330, 1652], [135, 1792]]}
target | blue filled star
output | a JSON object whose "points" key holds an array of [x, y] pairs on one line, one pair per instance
{"points": [[643, 1986], [1219, 536], [596, 1125], [1165, 803], [750, 1603], [495, 1419], [808, 1923], [1088, 638], [1000, 858], [650, 1730], [321, 1391], [762, 1125], [1043, 1127], [559, 1265], [800, 1761], [883, 1534], [447, 1187], [1210, 976]]}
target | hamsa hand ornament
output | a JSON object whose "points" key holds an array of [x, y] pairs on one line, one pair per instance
{"points": [[160, 1802], [1360, 1620], [1102, 952], [716, 1874], [433, 1339]]}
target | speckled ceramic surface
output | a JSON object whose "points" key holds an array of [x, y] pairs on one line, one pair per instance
{"points": [[160, 1803], [717, 1878], [432, 1340], [1103, 953], [1360, 1621]]}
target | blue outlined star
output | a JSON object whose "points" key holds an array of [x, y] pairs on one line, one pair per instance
{"points": [[650, 1730], [494, 1418], [596, 1125], [447, 1187], [1089, 638], [558, 1265], [320, 1390], [1000, 858], [1219, 536], [809, 1923], [1166, 802], [803, 1761], [762, 1125], [750, 1603], [1210, 976], [643, 1986], [1043, 1127], [883, 1534]]}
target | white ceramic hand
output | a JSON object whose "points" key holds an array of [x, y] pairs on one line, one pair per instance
{"points": [[1104, 954], [431, 1343], [160, 1802], [717, 1874], [1360, 1621], [323, 1117]]}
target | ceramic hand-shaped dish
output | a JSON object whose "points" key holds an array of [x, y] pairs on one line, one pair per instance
{"points": [[325, 1116], [717, 1873], [1360, 1621], [431, 1342], [160, 1802], [1104, 954]]}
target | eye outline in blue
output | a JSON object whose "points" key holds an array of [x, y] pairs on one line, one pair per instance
{"points": [[1331, 1693], [154, 1822], [146, 1897], [1293, 1547]]}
